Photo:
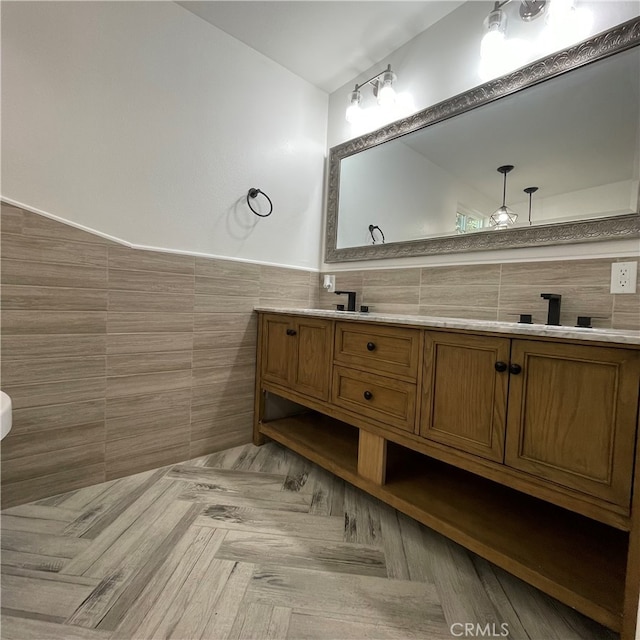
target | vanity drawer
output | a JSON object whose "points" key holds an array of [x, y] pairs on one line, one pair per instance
{"points": [[386, 349], [384, 399]]}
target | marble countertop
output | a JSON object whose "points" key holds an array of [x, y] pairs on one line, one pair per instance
{"points": [[617, 336]]}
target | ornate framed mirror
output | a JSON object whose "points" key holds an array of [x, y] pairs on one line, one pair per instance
{"points": [[569, 126]]}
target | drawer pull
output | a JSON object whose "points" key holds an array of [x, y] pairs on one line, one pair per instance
{"points": [[291, 332], [371, 346], [500, 366], [368, 395], [515, 369]]}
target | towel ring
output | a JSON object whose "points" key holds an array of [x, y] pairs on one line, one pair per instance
{"points": [[372, 228], [253, 193]]}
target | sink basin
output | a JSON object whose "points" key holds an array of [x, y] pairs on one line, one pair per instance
{"points": [[5, 414]]}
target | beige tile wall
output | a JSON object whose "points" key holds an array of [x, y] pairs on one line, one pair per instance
{"points": [[494, 292], [119, 360]]}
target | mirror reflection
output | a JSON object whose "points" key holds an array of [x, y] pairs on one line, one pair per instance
{"points": [[573, 143]]}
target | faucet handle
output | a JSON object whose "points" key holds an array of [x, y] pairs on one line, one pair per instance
{"points": [[585, 321], [551, 296], [523, 318]]}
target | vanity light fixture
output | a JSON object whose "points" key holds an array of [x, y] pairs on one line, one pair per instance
{"points": [[564, 25], [499, 54], [503, 216], [530, 191], [494, 40], [494, 44], [383, 90]]}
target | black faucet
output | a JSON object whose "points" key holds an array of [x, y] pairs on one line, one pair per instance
{"points": [[553, 315], [351, 304]]}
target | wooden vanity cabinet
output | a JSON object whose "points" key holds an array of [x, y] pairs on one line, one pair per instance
{"points": [[562, 413], [572, 414], [464, 397], [522, 450], [296, 354]]}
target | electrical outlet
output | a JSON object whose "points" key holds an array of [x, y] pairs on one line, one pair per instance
{"points": [[623, 277], [329, 283]]}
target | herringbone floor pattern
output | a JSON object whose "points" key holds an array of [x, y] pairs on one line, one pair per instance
{"points": [[252, 543]]}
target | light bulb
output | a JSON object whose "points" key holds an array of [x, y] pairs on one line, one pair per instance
{"points": [[354, 111], [384, 88], [502, 218], [492, 45], [565, 25], [386, 96], [559, 10]]}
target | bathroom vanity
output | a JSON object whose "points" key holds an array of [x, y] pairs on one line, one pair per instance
{"points": [[515, 441]]}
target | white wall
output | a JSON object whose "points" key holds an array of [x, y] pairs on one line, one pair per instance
{"points": [[441, 62], [142, 121]]}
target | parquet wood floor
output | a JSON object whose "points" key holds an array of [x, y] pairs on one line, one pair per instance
{"points": [[252, 543]]}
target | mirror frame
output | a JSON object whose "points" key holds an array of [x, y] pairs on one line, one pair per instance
{"points": [[603, 45]]}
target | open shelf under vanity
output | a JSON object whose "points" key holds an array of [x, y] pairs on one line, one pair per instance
{"points": [[573, 558]]}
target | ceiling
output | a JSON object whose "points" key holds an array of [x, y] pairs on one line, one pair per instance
{"points": [[325, 42]]}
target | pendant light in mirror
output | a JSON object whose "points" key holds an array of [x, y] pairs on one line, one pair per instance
{"points": [[530, 191], [503, 217]]}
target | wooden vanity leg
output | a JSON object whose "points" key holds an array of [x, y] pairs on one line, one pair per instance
{"points": [[258, 399], [632, 582], [372, 457], [258, 412]]}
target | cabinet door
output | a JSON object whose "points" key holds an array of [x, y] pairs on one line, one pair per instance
{"points": [[312, 357], [464, 397], [572, 416], [277, 348]]}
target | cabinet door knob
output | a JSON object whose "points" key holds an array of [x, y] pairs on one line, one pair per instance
{"points": [[370, 346], [291, 332], [500, 366], [368, 395], [515, 369]]}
